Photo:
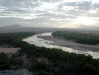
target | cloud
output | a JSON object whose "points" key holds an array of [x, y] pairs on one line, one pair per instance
{"points": [[56, 13]]}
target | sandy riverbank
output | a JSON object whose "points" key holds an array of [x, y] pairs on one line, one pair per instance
{"points": [[70, 44]]}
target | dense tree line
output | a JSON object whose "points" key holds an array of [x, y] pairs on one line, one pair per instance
{"points": [[83, 38], [46, 61], [14, 39]]}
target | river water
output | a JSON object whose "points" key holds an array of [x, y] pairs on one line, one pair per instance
{"points": [[47, 43]]}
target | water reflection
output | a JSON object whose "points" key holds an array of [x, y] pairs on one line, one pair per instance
{"points": [[47, 43]]}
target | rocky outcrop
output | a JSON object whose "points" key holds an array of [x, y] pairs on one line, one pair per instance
{"points": [[15, 72]]}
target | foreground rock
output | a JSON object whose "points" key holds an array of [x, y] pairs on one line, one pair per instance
{"points": [[15, 72]]}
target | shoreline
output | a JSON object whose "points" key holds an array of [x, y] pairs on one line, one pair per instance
{"points": [[70, 44]]}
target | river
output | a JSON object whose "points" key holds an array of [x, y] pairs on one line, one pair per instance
{"points": [[48, 44]]}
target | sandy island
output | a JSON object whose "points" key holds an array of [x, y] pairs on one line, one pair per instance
{"points": [[70, 44]]}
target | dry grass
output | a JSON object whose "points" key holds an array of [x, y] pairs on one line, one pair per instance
{"points": [[9, 50]]}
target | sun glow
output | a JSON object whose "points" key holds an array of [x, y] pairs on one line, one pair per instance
{"points": [[84, 20]]}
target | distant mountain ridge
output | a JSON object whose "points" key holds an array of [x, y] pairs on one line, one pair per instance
{"points": [[14, 26]]}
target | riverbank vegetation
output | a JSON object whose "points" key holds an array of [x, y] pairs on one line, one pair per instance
{"points": [[79, 37], [45, 61]]}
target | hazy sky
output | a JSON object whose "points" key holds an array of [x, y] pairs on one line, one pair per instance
{"points": [[50, 13]]}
